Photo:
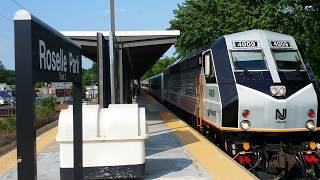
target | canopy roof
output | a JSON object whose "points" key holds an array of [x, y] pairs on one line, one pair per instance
{"points": [[141, 48]]}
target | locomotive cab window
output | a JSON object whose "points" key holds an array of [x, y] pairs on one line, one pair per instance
{"points": [[248, 60], [208, 67], [287, 60]]}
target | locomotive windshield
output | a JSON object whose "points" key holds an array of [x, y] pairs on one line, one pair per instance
{"points": [[248, 60], [287, 60]]}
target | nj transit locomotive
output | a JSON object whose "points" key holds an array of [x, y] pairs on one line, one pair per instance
{"points": [[254, 94]]}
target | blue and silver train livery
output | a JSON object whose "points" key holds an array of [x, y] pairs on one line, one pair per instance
{"points": [[254, 94]]}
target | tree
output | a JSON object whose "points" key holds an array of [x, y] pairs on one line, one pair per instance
{"points": [[160, 65], [10, 77], [1, 65], [2, 73], [7, 76], [203, 21], [90, 76]]}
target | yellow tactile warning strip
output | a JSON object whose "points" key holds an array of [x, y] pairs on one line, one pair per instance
{"points": [[150, 100], [211, 158], [9, 160]]}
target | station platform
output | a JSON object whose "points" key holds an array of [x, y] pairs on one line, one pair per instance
{"points": [[173, 151]]}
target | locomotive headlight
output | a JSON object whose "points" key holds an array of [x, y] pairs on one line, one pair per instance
{"points": [[310, 125], [278, 90], [282, 91], [274, 90], [245, 125]]}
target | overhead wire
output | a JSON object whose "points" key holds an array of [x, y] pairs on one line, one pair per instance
{"points": [[6, 18], [18, 4]]}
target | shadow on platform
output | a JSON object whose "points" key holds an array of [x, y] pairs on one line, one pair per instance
{"points": [[156, 168], [167, 141]]}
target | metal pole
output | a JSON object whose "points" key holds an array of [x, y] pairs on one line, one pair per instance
{"points": [[120, 76], [77, 130], [113, 29], [101, 73], [104, 72], [25, 111], [111, 51]]}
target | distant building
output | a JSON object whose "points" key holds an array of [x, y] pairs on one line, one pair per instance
{"points": [[7, 99], [60, 90], [6, 110], [13, 88], [7, 104], [2, 101], [91, 92], [6, 88]]}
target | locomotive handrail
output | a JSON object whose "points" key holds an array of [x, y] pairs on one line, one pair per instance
{"points": [[199, 100]]}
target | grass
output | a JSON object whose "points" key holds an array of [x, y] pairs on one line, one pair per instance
{"points": [[7, 131], [45, 114], [8, 125]]}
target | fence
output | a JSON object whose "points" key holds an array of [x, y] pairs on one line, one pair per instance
{"points": [[5, 112]]}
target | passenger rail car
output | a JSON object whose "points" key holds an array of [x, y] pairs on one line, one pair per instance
{"points": [[254, 94]]}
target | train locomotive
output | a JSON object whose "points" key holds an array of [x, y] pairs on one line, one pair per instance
{"points": [[254, 94]]}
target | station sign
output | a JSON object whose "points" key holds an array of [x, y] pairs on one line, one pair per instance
{"points": [[54, 57], [43, 54]]}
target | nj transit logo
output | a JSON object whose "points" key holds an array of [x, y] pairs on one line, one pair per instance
{"points": [[281, 116]]}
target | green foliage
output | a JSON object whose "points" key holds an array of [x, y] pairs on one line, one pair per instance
{"points": [[8, 125], [90, 76], [7, 76], [44, 115], [1, 66], [160, 65], [45, 111], [203, 21], [49, 102], [40, 84]]}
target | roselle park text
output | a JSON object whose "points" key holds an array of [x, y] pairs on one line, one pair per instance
{"points": [[61, 61]]}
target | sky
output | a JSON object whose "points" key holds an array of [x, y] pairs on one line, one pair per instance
{"points": [[93, 15]]}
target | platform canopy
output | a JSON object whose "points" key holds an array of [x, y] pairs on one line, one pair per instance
{"points": [[140, 48]]}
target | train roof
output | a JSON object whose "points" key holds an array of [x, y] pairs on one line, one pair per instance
{"points": [[262, 37], [256, 34], [174, 63], [155, 76]]}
